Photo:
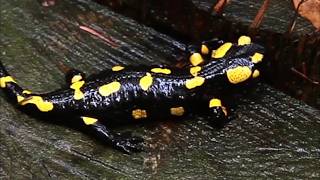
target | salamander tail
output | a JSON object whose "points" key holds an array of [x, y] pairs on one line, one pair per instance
{"points": [[10, 86], [20, 96]]}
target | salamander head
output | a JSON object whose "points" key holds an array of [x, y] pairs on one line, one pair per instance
{"points": [[235, 62], [244, 63]]}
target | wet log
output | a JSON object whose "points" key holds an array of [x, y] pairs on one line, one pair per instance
{"points": [[272, 135]]}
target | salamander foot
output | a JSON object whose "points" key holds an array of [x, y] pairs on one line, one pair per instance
{"points": [[128, 143]]}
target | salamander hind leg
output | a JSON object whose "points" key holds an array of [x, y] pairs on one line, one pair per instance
{"points": [[126, 143], [73, 76]]}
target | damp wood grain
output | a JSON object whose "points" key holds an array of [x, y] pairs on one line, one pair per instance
{"points": [[272, 134]]}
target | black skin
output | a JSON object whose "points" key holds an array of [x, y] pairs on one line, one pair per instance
{"points": [[166, 91]]}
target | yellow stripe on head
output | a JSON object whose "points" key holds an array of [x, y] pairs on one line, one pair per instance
{"points": [[244, 40], [222, 50], [5, 80], [161, 70], [110, 88], [146, 81]]}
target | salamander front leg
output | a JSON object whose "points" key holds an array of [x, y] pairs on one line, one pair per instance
{"points": [[126, 143], [219, 111]]}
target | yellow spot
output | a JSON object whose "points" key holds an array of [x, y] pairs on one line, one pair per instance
{"points": [[21, 98], [196, 59], [117, 68], [255, 73], [204, 49], [194, 70], [222, 50], [177, 111], [244, 40], [26, 92], [257, 57], [77, 92], [194, 82], [238, 74], [110, 88], [146, 81], [89, 121], [215, 103], [5, 80], [139, 113], [42, 105], [161, 70], [76, 78]]}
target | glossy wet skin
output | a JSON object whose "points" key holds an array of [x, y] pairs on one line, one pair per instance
{"points": [[137, 93], [164, 92]]}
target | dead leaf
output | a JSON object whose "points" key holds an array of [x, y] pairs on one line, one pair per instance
{"points": [[219, 6], [309, 9], [47, 3]]}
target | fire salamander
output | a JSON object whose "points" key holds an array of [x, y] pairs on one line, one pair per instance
{"points": [[136, 93]]}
